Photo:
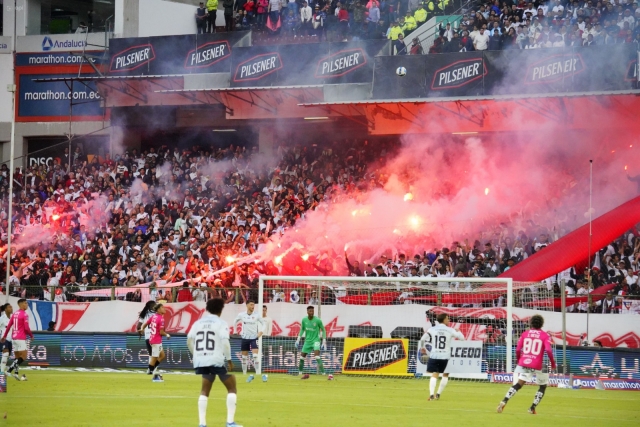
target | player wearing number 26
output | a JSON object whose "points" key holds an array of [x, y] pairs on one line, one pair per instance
{"points": [[208, 341], [532, 346]]}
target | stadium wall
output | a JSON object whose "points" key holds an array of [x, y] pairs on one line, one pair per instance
{"points": [[613, 330], [111, 350]]}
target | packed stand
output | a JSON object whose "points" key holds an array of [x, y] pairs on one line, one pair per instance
{"points": [[187, 217], [320, 20], [533, 25]]}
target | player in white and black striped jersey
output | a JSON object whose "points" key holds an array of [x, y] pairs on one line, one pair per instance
{"points": [[439, 338], [143, 316], [252, 329]]}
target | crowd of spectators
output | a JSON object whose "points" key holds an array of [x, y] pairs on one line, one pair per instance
{"points": [[531, 25], [318, 20], [187, 216]]}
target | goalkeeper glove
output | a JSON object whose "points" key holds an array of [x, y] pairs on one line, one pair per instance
{"points": [[298, 342], [324, 345]]}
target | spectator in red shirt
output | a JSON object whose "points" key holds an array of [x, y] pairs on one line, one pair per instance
{"points": [[343, 18], [184, 295]]}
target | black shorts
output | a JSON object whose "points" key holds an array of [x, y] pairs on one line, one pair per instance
{"points": [[148, 346], [248, 345], [437, 365], [213, 371], [8, 345]]}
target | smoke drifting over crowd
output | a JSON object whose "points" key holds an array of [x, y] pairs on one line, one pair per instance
{"points": [[441, 189]]}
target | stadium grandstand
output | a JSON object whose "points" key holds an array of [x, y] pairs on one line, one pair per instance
{"points": [[384, 162]]}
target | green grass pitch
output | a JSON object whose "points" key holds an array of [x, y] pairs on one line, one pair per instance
{"points": [[53, 398]]}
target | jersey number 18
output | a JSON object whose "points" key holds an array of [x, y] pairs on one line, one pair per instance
{"points": [[441, 342], [205, 338]]}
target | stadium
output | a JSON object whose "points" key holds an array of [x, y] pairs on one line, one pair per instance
{"points": [[378, 213]]}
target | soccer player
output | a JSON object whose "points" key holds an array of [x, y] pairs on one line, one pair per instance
{"points": [[252, 328], [267, 322], [156, 325], [530, 354], [310, 328], [143, 316], [5, 313], [439, 337], [19, 322], [208, 341]]}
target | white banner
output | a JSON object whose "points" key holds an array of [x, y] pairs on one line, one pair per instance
{"points": [[466, 358], [612, 330]]}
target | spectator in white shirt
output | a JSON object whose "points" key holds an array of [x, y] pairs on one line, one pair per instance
{"points": [[481, 41]]}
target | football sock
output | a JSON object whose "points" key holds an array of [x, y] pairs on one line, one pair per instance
{"points": [[320, 364], [155, 368], [256, 363], [512, 391], [538, 397], [443, 384], [432, 385], [231, 407], [202, 409], [301, 364], [244, 364], [15, 364], [3, 364]]}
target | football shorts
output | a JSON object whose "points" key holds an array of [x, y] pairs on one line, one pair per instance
{"points": [[156, 349], [19, 345], [437, 365], [8, 345], [210, 372], [308, 347], [248, 345], [526, 375]]}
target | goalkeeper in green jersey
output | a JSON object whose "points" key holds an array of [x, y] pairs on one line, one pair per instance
{"points": [[310, 328]]}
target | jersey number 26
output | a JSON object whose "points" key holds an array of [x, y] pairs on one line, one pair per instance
{"points": [[205, 338]]}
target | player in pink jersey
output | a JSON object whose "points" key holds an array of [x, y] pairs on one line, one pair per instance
{"points": [[156, 326], [532, 346], [19, 322]]}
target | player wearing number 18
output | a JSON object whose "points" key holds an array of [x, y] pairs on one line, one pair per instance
{"points": [[310, 327], [208, 341], [532, 346], [439, 337]]}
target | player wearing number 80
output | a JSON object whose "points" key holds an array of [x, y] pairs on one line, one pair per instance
{"points": [[439, 337], [532, 346], [208, 341]]}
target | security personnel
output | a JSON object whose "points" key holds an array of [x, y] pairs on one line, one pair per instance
{"points": [[394, 31], [420, 15], [410, 23], [212, 9]]}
